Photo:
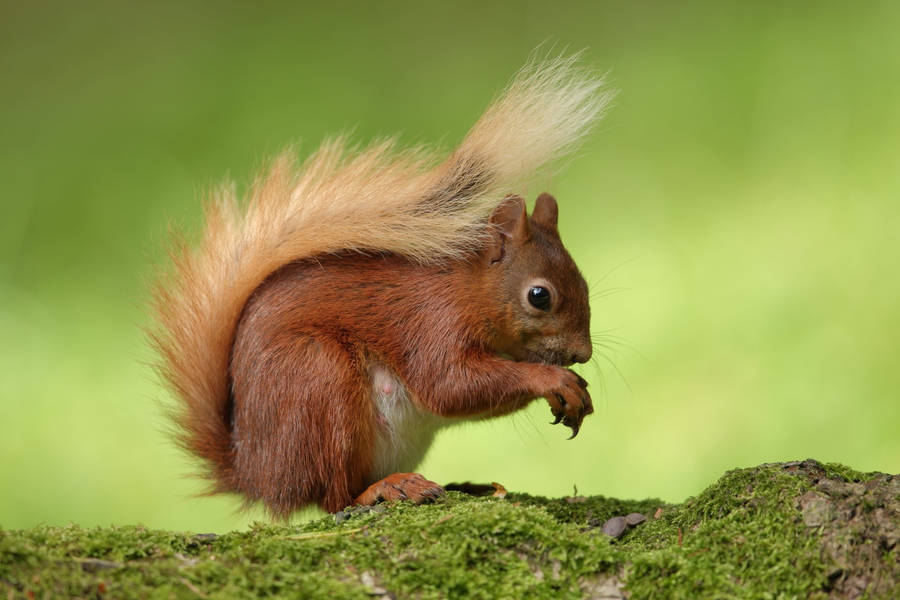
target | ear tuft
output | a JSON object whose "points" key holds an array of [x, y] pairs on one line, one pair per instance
{"points": [[510, 217], [509, 221], [546, 212]]}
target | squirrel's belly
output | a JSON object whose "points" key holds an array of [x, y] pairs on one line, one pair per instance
{"points": [[403, 431]]}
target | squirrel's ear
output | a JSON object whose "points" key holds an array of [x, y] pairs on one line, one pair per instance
{"points": [[509, 221], [545, 210]]}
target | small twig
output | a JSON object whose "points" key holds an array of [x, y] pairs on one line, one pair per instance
{"points": [[443, 519], [96, 564], [321, 534], [192, 587], [679, 536]]}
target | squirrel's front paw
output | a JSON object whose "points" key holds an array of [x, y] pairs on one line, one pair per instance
{"points": [[569, 400]]}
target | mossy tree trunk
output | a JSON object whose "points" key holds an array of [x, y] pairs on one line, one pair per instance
{"points": [[788, 530]]}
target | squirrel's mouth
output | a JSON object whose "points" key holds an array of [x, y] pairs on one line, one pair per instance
{"points": [[548, 357]]}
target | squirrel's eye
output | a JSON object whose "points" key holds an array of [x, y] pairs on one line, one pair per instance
{"points": [[539, 297]]}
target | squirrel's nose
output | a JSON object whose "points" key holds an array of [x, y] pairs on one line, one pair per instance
{"points": [[582, 353]]}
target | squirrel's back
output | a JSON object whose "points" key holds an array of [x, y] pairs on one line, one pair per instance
{"points": [[381, 199]]}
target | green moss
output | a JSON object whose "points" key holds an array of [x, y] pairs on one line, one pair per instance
{"points": [[743, 537], [838, 471], [588, 511], [722, 542]]}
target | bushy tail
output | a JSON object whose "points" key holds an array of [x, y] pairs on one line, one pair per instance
{"points": [[380, 198]]}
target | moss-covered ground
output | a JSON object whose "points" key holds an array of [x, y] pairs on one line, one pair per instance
{"points": [[787, 530]]}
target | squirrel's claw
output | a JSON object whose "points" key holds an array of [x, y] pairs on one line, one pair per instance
{"points": [[570, 408], [586, 407], [558, 416]]}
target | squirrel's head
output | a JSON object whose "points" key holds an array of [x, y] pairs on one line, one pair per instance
{"points": [[543, 313]]}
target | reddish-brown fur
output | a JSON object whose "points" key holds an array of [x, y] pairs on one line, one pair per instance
{"points": [[334, 313], [303, 418]]}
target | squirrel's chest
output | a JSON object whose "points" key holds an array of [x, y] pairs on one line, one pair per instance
{"points": [[403, 431]]}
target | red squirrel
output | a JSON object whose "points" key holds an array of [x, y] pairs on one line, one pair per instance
{"points": [[322, 331]]}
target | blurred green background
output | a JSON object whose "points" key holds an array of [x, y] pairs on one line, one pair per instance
{"points": [[741, 204]]}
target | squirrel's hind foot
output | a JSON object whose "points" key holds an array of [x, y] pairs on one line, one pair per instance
{"points": [[401, 486]]}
